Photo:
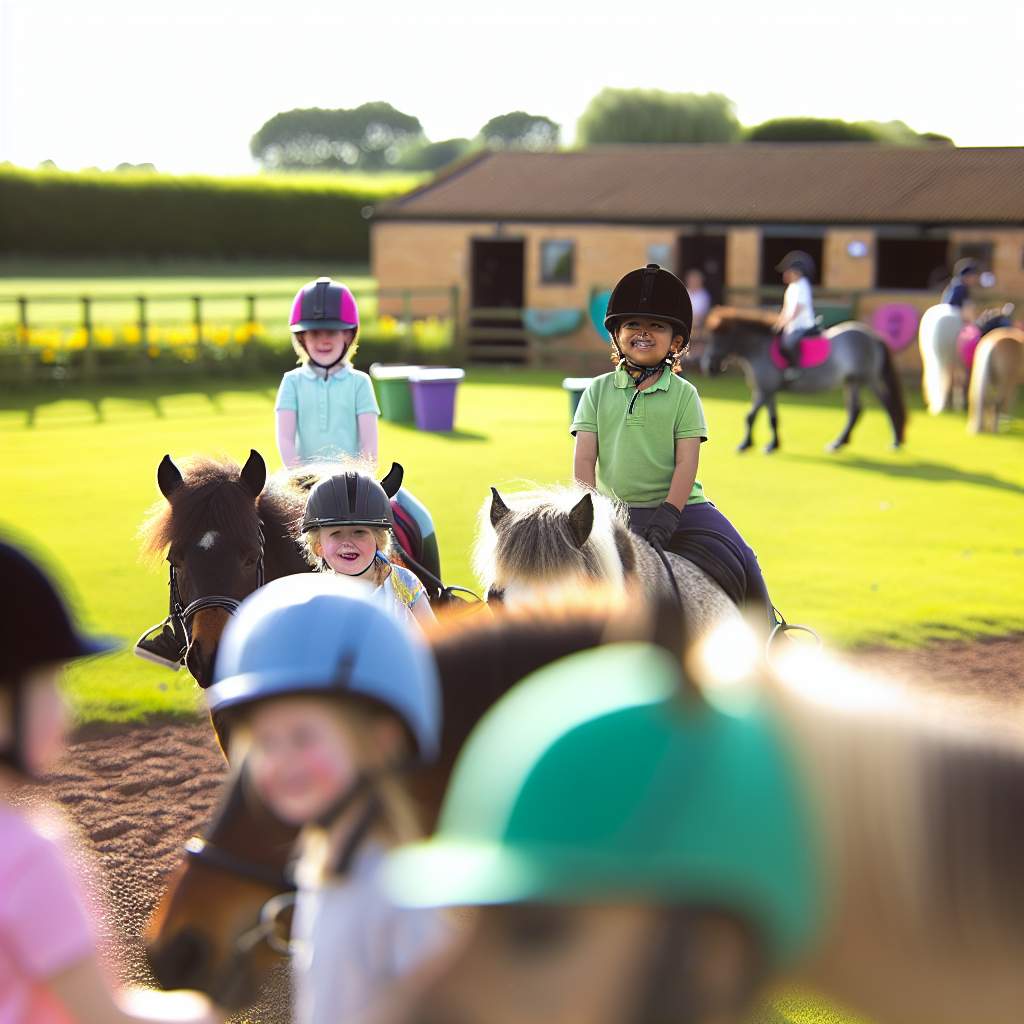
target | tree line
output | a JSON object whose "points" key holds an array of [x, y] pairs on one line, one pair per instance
{"points": [[376, 136]]}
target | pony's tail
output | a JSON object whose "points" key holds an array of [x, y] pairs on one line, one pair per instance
{"points": [[894, 393], [976, 389]]}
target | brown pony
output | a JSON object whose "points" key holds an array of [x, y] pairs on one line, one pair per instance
{"points": [[225, 531], [207, 932], [995, 374]]}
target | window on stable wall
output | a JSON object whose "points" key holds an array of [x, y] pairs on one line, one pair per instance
{"points": [[557, 262], [913, 263]]}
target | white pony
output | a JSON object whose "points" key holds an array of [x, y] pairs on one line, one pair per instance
{"points": [[998, 366], [936, 337], [558, 537]]}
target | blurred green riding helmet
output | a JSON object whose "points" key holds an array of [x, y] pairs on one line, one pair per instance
{"points": [[595, 780]]}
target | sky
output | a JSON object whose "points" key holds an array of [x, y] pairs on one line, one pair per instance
{"points": [[184, 84]]}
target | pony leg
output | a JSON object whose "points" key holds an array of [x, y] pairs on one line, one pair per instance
{"points": [[773, 418], [748, 437], [852, 415]]}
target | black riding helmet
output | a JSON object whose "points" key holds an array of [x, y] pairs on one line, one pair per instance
{"points": [[36, 629], [797, 260], [651, 292], [352, 499]]}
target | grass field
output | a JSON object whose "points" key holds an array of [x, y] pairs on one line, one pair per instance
{"points": [[868, 546]]}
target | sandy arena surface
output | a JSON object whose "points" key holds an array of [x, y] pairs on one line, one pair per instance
{"points": [[138, 792]]}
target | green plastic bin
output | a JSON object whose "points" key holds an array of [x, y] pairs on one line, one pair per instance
{"points": [[833, 313], [575, 386], [393, 392]]}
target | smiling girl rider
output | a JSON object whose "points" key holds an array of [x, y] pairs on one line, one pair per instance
{"points": [[347, 525]]}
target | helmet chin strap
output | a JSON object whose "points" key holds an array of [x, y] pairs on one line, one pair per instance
{"points": [[327, 367]]}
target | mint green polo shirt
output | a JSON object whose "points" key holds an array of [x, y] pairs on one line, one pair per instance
{"points": [[636, 452], [326, 410]]}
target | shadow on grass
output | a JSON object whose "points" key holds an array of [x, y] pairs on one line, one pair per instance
{"points": [[146, 395], [919, 469], [448, 435]]}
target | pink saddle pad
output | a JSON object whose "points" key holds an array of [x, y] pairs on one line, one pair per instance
{"points": [[966, 343], [814, 350]]}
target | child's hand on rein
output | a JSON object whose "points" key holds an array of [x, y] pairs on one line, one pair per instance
{"points": [[663, 524]]}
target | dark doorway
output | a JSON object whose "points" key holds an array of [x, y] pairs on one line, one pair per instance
{"points": [[774, 247], [909, 262], [496, 286], [497, 275], [707, 254]]}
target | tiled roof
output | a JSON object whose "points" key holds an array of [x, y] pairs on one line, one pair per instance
{"points": [[744, 183]]}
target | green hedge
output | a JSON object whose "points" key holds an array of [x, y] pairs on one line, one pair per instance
{"points": [[56, 213]]}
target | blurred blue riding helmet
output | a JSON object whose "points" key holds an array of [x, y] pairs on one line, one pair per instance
{"points": [[315, 633]]}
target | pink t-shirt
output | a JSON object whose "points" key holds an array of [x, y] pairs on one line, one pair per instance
{"points": [[44, 926]]}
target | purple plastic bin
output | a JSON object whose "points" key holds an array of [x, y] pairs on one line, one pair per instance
{"points": [[433, 396]]}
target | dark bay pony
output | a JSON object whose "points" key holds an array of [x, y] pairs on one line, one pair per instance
{"points": [[207, 933], [856, 357], [225, 530]]}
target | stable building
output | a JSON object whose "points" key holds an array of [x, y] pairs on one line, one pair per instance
{"points": [[531, 240]]}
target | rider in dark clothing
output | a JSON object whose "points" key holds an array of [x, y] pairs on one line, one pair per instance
{"points": [[958, 291]]}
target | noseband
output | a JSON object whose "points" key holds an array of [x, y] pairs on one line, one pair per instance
{"points": [[183, 614]]}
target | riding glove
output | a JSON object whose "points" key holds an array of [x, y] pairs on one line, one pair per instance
{"points": [[662, 525]]}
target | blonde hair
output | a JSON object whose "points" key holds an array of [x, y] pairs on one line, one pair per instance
{"points": [[350, 349]]}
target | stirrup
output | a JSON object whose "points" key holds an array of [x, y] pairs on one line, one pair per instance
{"points": [[163, 644]]}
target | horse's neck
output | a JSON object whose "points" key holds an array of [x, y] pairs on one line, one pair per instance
{"points": [[240, 828]]}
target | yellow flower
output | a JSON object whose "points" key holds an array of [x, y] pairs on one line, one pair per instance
{"points": [[152, 351], [23, 334], [78, 338], [48, 355], [131, 334], [103, 336], [220, 335], [189, 354]]}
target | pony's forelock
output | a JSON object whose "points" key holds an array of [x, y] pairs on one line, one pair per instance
{"points": [[535, 509]]}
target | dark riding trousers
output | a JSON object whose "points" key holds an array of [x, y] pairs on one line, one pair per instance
{"points": [[706, 538]]}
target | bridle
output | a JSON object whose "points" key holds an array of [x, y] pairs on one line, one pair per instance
{"points": [[266, 930], [181, 615]]}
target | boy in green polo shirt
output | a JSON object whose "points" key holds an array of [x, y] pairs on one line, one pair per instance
{"points": [[639, 429]]}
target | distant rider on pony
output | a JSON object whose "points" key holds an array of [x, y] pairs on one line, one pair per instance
{"points": [[796, 318]]}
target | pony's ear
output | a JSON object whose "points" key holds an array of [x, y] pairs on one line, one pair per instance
{"points": [[498, 508], [254, 473], [581, 519], [392, 483], [168, 477]]}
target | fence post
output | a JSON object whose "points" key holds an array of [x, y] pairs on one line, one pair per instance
{"points": [[24, 343], [143, 322], [453, 316], [89, 356], [408, 341], [249, 357]]}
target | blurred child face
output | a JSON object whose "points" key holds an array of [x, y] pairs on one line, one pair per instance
{"points": [[348, 550], [301, 758], [43, 719], [326, 347], [791, 275], [646, 342]]}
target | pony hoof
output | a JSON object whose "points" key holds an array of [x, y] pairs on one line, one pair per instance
{"points": [[833, 446], [769, 448], [744, 447]]}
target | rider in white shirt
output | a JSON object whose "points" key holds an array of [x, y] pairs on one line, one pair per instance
{"points": [[796, 318]]}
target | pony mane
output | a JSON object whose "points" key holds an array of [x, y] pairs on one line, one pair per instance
{"points": [[920, 802], [723, 319], [537, 544]]}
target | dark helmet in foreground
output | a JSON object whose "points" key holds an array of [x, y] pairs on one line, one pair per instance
{"points": [[36, 629], [651, 292], [796, 259], [352, 499]]}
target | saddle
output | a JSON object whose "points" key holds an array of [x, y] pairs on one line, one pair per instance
{"points": [[814, 350]]}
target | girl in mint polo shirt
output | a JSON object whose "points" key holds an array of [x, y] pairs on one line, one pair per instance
{"points": [[325, 408], [638, 434]]}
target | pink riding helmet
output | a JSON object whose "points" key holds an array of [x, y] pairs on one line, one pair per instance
{"points": [[324, 305]]}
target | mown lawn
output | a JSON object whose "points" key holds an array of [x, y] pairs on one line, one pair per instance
{"points": [[868, 546]]}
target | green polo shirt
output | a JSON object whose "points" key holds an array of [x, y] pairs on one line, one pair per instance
{"points": [[636, 452], [326, 410]]}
